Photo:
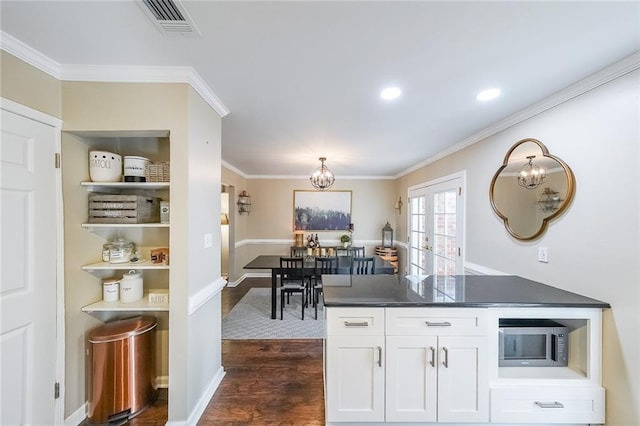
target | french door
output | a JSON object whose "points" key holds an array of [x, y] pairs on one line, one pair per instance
{"points": [[436, 227]]}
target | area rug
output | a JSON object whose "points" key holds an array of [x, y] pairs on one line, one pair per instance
{"points": [[250, 318]]}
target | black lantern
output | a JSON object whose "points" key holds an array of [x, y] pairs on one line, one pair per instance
{"points": [[387, 236]]}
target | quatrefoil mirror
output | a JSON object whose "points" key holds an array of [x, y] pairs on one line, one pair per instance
{"points": [[531, 188]]}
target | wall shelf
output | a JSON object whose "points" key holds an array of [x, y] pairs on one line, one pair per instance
{"points": [[141, 305], [92, 186], [91, 226], [121, 266]]}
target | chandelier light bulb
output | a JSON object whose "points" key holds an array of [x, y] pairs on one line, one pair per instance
{"points": [[322, 178]]}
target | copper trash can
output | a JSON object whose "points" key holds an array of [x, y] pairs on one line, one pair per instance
{"points": [[121, 369]]}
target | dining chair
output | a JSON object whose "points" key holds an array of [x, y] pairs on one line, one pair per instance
{"points": [[298, 251], [362, 266], [292, 280], [356, 251], [342, 251], [323, 265]]}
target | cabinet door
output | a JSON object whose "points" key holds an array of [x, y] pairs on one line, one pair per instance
{"points": [[355, 378], [411, 377], [463, 384]]}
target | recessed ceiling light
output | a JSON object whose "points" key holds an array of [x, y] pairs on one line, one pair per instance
{"points": [[390, 93], [489, 94]]}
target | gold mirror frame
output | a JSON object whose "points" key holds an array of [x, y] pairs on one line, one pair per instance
{"points": [[529, 220]]}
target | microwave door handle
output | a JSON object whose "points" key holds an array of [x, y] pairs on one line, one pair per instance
{"points": [[554, 347]]}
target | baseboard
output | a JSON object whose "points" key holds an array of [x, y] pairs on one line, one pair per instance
{"points": [[205, 398], [77, 417], [473, 269]]}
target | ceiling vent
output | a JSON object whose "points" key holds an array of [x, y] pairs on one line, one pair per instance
{"points": [[170, 17]]}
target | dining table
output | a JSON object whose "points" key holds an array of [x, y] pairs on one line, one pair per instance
{"points": [[272, 263]]}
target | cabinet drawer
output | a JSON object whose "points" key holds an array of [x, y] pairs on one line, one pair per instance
{"points": [[355, 321], [436, 321], [548, 405]]}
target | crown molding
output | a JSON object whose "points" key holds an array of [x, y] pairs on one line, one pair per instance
{"points": [[20, 50], [306, 177], [112, 73], [625, 66], [234, 169]]}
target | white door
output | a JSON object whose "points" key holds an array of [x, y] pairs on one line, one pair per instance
{"points": [[28, 277], [463, 379], [355, 378], [412, 374], [436, 228]]}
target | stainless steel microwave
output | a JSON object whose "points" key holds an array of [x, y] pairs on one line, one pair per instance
{"points": [[532, 343]]}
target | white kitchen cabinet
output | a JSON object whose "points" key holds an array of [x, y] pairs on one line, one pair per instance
{"points": [[354, 365], [436, 365], [355, 378], [371, 377]]}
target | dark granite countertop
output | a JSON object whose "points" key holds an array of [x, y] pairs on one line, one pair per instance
{"points": [[448, 291]]}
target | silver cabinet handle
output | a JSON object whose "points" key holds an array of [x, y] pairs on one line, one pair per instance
{"points": [[554, 404], [433, 356], [438, 324], [356, 324], [445, 362], [379, 356]]}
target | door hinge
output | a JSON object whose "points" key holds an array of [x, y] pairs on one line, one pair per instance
{"points": [[57, 160], [459, 252], [459, 190], [56, 390]]}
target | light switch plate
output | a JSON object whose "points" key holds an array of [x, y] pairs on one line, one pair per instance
{"points": [[208, 240], [543, 255]]}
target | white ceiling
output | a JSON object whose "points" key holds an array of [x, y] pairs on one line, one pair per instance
{"points": [[302, 79]]}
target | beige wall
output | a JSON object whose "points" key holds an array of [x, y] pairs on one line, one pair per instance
{"points": [[269, 227], [194, 134], [204, 328], [594, 246], [29, 86]]}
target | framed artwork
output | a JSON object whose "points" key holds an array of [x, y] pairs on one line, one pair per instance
{"points": [[321, 210]]}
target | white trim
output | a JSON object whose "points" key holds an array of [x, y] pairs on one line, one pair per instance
{"points": [[204, 295], [77, 417], [20, 50], [283, 241], [234, 169], [625, 66], [457, 175], [32, 114], [305, 177], [204, 399], [474, 269], [162, 382], [112, 73], [56, 124]]}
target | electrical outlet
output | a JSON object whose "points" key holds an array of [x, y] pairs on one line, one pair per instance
{"points": [[543, 255]]}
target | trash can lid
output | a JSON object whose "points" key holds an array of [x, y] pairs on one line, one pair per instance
{"points": [[122, 329]]}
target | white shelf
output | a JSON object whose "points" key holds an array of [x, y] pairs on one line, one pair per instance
{"points": [[128, 265], [539, 373], [91, 226], [122, 185], [141, 305]]}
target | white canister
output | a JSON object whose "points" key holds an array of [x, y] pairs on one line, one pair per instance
{"points": [[105, 166], [134, 168], [111, 289], [131, 287]]}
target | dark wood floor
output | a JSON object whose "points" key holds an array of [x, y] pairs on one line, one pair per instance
{"points": [[267, 382]]}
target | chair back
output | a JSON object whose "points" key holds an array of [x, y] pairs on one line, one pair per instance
{"points": [[343, 251], [326, 265], [291, 270], [298, 251], [356, 251], [362, 266]]}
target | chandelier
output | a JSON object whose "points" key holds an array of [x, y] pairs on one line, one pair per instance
{"points": [[322, 178], [531, 176]]}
